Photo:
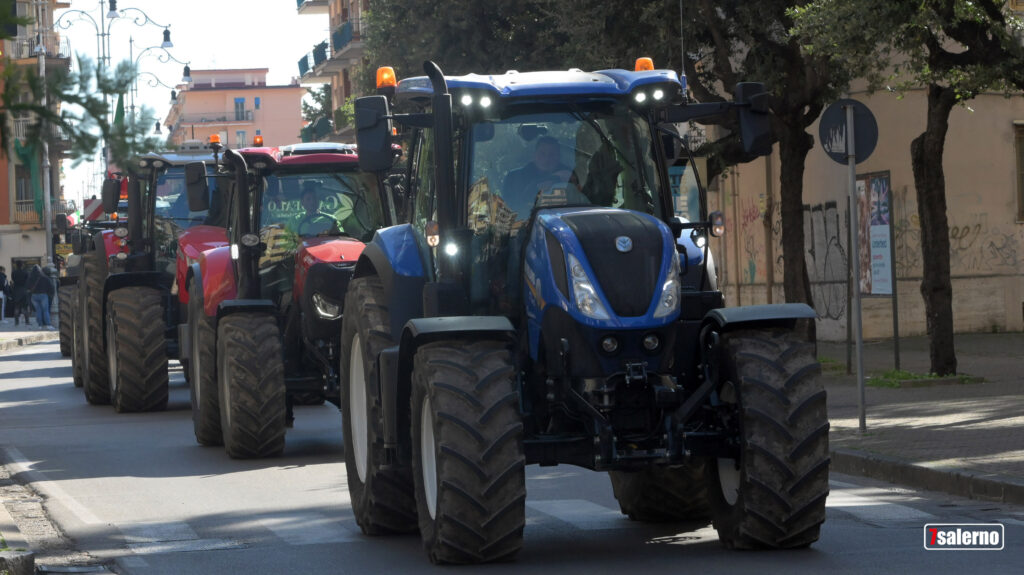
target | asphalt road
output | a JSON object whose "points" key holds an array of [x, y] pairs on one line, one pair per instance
{"points": [[136, 491]]}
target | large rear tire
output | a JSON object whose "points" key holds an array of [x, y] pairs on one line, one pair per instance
{"points": [[251, 381], [95, 382], [468, 460], [382, 500], [203, 368], [77, 347], [136, 350], [65, 297], [773, 495], [677, 493]]}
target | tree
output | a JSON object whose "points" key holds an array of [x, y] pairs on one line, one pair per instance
{"points": [[461, 36], [726, 41], [954, 48], [319, 105]]}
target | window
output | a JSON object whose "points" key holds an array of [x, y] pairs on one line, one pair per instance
{"points": [[256, 102], [1019, 141], [240, 139], [423, 181], [239, 109]]}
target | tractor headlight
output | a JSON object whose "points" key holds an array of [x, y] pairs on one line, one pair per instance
{"points": [[121, 232], [325, 308], [668, 303], [587, 300]]}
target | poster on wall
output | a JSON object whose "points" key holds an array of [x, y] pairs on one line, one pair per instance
{"points": [[873, 191]]}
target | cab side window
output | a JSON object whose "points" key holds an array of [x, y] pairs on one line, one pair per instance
{"points": [[422, 180]]}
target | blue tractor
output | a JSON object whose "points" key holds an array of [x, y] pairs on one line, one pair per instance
{"points": [[543, 304]]}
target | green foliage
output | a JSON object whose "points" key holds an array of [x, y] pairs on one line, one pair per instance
{"points": [[344, 115], [320, 106]]}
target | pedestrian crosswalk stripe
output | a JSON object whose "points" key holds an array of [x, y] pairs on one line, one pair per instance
{"points": [[182, 546], [308, 528], [582, 514], [156, 531], [867, 504]]}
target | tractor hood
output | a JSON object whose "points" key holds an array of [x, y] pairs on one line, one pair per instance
{"points": [[340, 255]]}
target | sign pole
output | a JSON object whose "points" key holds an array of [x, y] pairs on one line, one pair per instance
{"points": [[851, 160], [895, 284]]}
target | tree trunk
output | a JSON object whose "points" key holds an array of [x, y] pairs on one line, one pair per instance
{"points": [[926, 158], [794, 145]]}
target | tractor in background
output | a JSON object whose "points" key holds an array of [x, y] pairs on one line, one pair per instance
{"points": [[542, 304], [128, 307], [264, 311]]}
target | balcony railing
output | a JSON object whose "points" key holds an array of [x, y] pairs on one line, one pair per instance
{"points": [[64, 207], [23, 129], [310, 61], [312, 6], [56, 46], [215, 118], [25, 212], [320, 53]]}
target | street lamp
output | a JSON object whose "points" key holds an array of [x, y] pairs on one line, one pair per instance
{"points": [[163, 58]]}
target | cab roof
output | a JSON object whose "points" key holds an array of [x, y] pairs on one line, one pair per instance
{"points": [[514, 84], [276, 156]]}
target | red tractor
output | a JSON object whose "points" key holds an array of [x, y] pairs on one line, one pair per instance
{"points": [[264, 312], [126, 317]]}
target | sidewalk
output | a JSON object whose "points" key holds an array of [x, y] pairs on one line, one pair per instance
{"points": [[964, 439], [14, 337]]}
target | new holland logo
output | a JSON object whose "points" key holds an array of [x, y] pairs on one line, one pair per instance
{"points": [[624, 244]]}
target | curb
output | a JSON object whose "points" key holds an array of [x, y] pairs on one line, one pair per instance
{"points": [[955, 481], [13, 344], [17, 562]]}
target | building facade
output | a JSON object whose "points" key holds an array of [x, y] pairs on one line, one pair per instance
{"points": [[238, 105], [984, 170], [22, 225], [335, 60]]}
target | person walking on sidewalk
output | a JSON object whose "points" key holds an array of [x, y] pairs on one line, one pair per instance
{"points": [[20, 293], [4, 288], [42, 291]]}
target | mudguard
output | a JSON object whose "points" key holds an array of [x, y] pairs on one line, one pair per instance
{"points": [[394, 255], [193, 242], [786, 314], [217, 277]]}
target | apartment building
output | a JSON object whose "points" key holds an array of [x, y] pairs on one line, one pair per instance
{"points": [[237, 104]]}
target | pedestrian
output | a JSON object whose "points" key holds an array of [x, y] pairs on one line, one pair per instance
{"points": [[19, 292], [42, 292], [4, 288]]}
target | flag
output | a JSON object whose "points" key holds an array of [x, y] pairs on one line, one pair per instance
{"points": [[119, 112]]}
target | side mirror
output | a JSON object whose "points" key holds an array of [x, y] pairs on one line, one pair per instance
{"points": [[373, 133], [110, 193], [755, 127], [196, 187]]}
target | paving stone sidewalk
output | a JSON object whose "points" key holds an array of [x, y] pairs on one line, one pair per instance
{"points": [[965, 439]]}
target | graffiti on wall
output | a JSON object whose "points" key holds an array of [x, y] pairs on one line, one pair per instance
{"points": [[825, 237]]}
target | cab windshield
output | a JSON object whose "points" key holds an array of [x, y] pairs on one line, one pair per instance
{"points": [[572, 154], [308, 204]]}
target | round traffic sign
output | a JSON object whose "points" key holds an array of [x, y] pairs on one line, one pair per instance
{"points": [[832, 130]]}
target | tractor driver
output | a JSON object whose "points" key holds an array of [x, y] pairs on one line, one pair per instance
{"points": [[544, 172], [313, 221]]}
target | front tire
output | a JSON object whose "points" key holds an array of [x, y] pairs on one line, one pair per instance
{"points": [[95, 382], [468, 460], [677, 493], [137, 350], [382, 500], [65, 297], [251, 382], [203, 368], [773, 495]]}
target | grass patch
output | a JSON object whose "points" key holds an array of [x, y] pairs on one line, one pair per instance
{"points": [[829, 365], [903, 378]]}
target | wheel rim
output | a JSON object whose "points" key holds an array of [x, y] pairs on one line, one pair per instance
{"points": [[729, 468], [427, 458], [111, 357], [357, 408]]}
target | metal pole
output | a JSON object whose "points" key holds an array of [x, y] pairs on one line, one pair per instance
{"points": [[895, 282], [851, 160], [47, 216]]}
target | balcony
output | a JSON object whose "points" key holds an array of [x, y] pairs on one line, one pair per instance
{"points": [[313, 6], [23, 48], [347, 41], [24, 128], [313, 66], [25, 212], [216, 119]]}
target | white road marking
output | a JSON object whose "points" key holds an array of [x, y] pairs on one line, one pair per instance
{"points": [[133, 562], [867, 504], [20, 464], [583, 514], [307, 528], [183, 546], [157, 532]]}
